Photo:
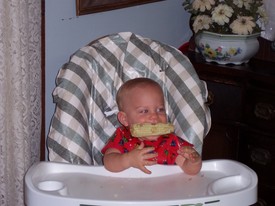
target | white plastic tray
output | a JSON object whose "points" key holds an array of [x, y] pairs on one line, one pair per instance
{"points": [[220, 182]]}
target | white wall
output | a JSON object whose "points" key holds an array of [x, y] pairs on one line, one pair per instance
{"points": [[165, 21]]}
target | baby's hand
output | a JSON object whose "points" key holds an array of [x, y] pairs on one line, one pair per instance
{"points": [[189, 160], [189, 153], [141, 157]]}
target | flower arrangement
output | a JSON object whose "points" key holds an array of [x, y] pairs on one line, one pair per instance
{"points": [[241, 17]]}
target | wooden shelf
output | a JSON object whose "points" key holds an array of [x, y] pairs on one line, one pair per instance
{"points": [[243, 117]]}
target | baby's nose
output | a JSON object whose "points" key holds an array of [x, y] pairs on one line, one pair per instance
{"points": [[154, 117]]}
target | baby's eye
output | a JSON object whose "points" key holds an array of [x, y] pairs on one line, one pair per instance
{"points": [[143, 111], [161, 110]]}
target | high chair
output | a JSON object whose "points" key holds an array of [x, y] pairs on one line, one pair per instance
{"points": [[85, 117]]}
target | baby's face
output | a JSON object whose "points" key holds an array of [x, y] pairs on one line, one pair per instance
{"points": [[145, 105]]}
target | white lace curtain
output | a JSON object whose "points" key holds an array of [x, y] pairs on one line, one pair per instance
{"points": [[269, 30], [20, 91]]}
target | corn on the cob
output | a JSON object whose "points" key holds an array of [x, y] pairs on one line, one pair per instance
{"points": [[147, 129]]}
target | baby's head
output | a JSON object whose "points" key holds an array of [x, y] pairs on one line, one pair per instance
{"points": [[141, 100]]}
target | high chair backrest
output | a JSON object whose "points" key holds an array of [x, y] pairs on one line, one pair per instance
{"points": [[85, 115]]}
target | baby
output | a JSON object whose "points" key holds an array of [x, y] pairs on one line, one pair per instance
{"points": [[141, 102]]}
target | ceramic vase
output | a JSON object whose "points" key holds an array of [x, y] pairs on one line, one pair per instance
{"points": [[227, 48]]}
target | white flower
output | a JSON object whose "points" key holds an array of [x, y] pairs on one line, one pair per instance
{"points": [[201, 22], [202, 5], [221, 14], [241, 3], [227, 16], [243, 25]]}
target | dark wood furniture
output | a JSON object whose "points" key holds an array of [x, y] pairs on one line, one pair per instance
{"points": [[243, 117]]}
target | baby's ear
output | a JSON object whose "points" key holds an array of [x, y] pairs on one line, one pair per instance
{"points": [[122, 118]]}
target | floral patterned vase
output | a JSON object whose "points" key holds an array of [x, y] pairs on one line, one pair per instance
{"points": [[227, 48]]}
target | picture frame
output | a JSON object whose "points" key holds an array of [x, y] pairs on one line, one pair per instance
{"points": [[84, 7]]}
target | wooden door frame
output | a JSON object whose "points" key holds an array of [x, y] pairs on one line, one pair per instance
{"points": [[43, 138]]}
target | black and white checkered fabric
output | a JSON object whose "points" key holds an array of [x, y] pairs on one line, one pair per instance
{"points": [[85, 115]]}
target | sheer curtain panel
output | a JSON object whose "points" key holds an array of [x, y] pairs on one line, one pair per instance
{"points": [[20, 95]]}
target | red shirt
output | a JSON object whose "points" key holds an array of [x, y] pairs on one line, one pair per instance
{"points": [[166, 145]]}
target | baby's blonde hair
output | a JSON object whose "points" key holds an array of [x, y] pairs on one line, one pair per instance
{"points": [[130, 84]]}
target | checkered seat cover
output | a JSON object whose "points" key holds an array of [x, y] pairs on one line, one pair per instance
{"points": [[85, 114]]}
